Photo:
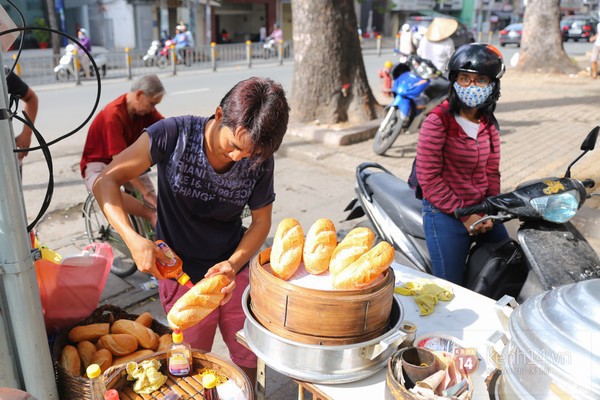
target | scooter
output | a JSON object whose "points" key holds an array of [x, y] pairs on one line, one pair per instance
{"points": [[418, 86], [552, 251], [66, 68], [270, 48], [155, 56]]}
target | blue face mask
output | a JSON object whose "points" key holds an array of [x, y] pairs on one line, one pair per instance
{"points": [[473, 95]]}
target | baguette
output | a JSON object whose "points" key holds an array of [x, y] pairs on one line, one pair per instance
{"points": [[103, 358], [320, 242], [86, 350], [286, 253], [70, 361], [198, 302], [165, 342], [89, 332], [145, 319], [146, 337], [136, 355], [119, 344], [366, 269], [356, 243]]}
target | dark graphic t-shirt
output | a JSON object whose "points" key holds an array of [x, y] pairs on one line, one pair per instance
{"points": [[199, 209]]}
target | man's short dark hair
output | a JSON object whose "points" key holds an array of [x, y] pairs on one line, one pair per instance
{"points": [[260, 107]]}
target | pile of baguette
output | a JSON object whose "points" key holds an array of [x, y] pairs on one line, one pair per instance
{"points": [[354, 263], [111, 344]]}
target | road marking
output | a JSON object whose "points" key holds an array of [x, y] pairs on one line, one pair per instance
{"points": [[189, 91]]}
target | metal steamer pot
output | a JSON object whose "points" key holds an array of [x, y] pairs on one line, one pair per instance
{"points": [[323, 364], [554, 346]]}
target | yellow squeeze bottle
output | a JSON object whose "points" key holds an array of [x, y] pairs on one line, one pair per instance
{"points": [[180, 356]]}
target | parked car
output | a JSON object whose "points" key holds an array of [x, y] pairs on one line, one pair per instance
{"points": [[420, 23], [511, 35], [580, 27]]}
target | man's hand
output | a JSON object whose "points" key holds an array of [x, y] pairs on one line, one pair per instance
{"points": [[226, 269], [23, 141], [480, 228], [143, 252]]}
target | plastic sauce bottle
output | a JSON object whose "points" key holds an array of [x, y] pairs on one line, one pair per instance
{"points": [[174, 269], [96, 382], [209, 381], [111, 394], [180, 356]]}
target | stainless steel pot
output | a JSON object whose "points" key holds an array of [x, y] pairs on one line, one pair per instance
{"points": [[323, 364], [554, 346]]}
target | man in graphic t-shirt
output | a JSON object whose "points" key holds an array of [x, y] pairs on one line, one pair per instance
{"points": [[209, 169]]}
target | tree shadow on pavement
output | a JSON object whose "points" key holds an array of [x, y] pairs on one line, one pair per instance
{"points": [[510, 127], [546, 103]]}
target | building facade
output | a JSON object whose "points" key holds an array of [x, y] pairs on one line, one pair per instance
{"points": [[135, 23]]}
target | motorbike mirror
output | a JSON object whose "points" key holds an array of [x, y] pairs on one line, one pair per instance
{"points": [[590, 140], [588, 144]]}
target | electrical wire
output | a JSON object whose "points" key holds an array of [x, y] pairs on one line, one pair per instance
{"points": [[96, 73], [45, 146]]}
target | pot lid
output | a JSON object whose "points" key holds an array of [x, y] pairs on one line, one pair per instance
{"points": [[559, 330]]}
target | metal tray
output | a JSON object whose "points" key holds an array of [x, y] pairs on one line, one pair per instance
{"points": [[321, 363]]}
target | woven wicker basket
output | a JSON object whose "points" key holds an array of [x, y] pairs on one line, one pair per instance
{"points": [[188, 387], [395, 380], [76, 387]]}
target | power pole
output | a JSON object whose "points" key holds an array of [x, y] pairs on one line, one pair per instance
{"points": [[18, 285]]}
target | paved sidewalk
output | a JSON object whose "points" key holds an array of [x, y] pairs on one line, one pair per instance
{"points": [[543, 120]]}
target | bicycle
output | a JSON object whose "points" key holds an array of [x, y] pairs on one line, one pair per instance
{"points": [[98, 229]]}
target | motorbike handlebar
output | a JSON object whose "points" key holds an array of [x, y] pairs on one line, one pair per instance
{"points": [[476, 209], [588, 183]]}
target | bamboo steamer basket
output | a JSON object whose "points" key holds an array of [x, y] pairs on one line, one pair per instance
{"points": [[187, 387], [313, 316]]}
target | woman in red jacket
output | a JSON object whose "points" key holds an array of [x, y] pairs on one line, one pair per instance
{"points": [[458, 159]]}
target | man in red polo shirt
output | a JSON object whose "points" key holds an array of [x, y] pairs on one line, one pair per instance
{"points": [[116, 127]]}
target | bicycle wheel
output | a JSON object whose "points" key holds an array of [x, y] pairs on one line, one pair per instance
{"points": [[98, 229]]}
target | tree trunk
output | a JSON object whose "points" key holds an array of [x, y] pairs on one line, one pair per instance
{"points": [[54, 25], [329, 83], [542, 46]]}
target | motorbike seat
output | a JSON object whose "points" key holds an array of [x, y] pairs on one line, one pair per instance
{"points": [[398, 201], [437, 88]]}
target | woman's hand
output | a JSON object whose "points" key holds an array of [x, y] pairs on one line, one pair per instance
{"points": [[144, 253], [480, 228], [226, 269]]}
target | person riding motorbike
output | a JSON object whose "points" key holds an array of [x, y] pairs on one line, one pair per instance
{"points": [[458, 158], [437, 46]]}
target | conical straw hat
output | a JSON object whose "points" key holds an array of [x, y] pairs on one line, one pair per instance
{"points": [[440, 29]]}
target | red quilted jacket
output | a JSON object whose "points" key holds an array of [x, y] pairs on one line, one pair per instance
{"points": [[453, 169]]}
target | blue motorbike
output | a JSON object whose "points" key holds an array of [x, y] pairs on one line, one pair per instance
{"points": [[418, 87]]}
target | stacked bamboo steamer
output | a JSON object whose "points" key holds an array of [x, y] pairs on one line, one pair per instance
{"points": [[353, 297]]}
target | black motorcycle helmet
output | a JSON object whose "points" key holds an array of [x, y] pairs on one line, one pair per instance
{"points": [[478, 58]]}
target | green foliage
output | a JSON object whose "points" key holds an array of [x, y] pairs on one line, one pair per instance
{"points": [[39, 35]]}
